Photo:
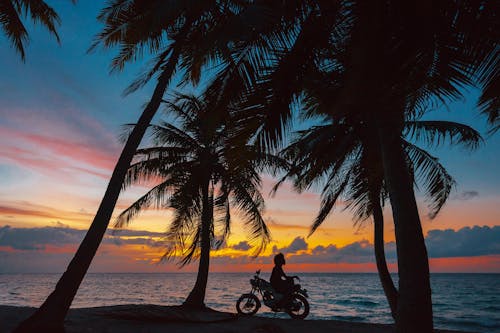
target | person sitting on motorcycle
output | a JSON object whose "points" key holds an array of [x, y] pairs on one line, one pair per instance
{"points": [[282, 283]]}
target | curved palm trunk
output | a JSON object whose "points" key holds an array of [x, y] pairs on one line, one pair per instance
{"points": [[414, 308], [383, 272], [50, 316], [196, 298]]}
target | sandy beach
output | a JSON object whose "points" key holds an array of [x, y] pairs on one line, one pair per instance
{"points": [[155, 318]]}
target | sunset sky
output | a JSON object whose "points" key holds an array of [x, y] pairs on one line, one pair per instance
{"points": [[61, 116]]}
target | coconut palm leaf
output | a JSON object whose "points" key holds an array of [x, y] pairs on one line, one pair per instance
{"points": [[438, 132], [329, 198], [157, 195], [39, 11], [437, 181], [166, 132], [489, 78], [250, 203]]}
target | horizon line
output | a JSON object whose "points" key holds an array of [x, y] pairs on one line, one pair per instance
{"points": [[240, 272]]}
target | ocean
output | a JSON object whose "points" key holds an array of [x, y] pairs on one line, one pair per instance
{"points": [[469, 302]]}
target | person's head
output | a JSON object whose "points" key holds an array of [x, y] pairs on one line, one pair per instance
{"points": [[279, 259]]}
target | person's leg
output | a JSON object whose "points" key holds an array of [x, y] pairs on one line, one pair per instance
{"points": [[287, 290]]}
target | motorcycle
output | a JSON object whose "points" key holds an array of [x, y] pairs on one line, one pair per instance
{"points": [[248, 304]]}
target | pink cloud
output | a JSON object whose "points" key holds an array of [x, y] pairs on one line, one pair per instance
{"points": [[66, 122], [71, 148], [57, 141], [53, 156]]}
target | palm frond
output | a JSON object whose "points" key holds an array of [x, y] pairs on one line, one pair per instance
{"points": [[39, 12], [435, 133], [158, 195], [489, 79], [13, 26], [250, 203], [437, 182], [169, 134], [329, 198]]}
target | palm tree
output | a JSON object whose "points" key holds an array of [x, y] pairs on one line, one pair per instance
{"points": [[11, 12], [345, 161], [204, 172], [172, 30], [183, 35], [378, 50], [408, 64]]}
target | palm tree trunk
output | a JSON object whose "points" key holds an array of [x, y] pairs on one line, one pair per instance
{"points": [[414, 309], [196, 298], [50, 316], [383, 272]]}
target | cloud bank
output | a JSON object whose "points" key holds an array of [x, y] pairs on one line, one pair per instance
{"points": [[50, 248], [475, 241], [39, 239]]}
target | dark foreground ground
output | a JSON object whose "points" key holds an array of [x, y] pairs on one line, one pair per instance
{"points": [[169, 319]]}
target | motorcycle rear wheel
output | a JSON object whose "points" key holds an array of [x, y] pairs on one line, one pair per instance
{"points": [[299, 307], [248, 304]]}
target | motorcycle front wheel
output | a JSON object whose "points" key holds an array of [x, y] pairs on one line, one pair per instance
{"points": [[248, 304], [299, 307]]}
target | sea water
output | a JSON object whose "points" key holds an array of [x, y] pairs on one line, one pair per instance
{"points": [[469, 302]]}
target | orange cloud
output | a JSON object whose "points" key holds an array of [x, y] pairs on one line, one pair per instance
{"points": [[33, 214]]}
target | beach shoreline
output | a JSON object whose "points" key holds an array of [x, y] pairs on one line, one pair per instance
{"points": [[155, 319]]}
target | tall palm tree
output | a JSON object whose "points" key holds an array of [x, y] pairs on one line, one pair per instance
{"points": [[407, 64], [182, 35], [345, 161], [11, 13], [204, 173], [135, 26]]}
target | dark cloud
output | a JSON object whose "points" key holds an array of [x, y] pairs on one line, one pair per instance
{"points": [[241, 246], [296, 245], [29, 244], [38, 238], [357, 252], [134, 233], [59, 224], [467, 195], [465, 242], [33, 239]]}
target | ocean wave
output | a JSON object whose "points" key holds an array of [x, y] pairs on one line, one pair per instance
{"points": [[354, 302]]}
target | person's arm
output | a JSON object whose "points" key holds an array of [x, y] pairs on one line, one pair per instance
{"points": [[283, 276]]}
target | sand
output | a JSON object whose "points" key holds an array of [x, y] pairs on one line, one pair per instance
{"points": [[168, 319]]}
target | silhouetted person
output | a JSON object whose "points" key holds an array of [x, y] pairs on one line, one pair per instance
{"points": [[282, 283]]}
